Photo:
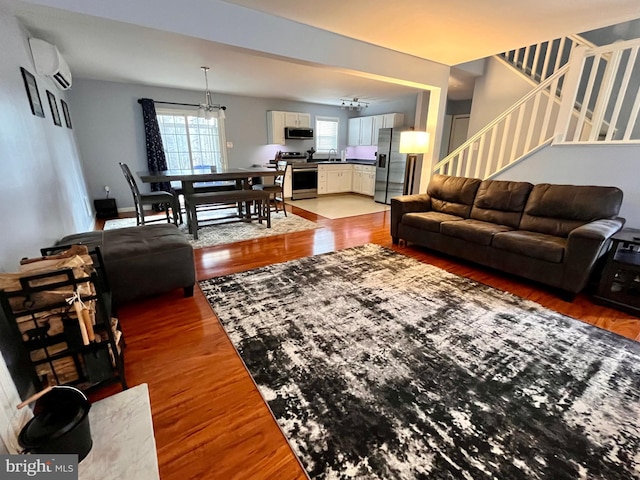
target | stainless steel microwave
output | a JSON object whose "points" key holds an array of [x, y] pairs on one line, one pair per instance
{"points": [[298, 133]]}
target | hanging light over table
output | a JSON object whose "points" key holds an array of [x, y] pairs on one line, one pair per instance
{"points": [[208, 109]]}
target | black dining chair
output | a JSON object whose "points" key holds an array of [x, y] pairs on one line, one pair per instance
{"points": [[167, 199], [277, 189]]}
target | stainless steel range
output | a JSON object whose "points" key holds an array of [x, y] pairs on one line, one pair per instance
{"points": [[304, 176], [304, 180]]}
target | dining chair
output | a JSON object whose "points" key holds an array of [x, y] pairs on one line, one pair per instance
{"points": [[277, 189], [167, 199]]}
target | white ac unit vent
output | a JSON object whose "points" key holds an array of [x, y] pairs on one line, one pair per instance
{"points": [[48, 61]]}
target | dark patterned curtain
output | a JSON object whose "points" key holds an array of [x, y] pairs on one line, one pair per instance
{"points": [[155, 153]]}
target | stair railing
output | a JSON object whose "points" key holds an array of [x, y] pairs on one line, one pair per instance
{"points": [[538, 62], [518, 131], [605, 91]]}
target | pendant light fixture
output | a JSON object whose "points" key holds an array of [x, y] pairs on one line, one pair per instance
{"points": [[354, 104], [208, 109]]}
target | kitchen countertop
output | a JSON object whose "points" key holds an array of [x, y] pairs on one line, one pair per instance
{"points": [[361, 161]]}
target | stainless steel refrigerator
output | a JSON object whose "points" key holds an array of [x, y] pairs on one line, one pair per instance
{"points": [[393, 174]]}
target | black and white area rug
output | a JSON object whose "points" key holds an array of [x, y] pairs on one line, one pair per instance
{"points": [[378, 366], [220, 234]]}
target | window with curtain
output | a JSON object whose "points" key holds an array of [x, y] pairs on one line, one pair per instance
{"points": [[326, 133], [189, 141]]}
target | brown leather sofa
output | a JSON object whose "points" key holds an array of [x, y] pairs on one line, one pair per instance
{"points": [[553, 234]]}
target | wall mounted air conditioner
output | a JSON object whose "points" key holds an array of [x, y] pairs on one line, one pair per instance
{"points": [[48, 61]]}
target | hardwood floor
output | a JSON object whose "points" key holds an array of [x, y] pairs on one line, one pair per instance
{"points": [[210, 421]]}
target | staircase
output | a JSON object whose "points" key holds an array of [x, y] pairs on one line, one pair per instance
{"points": [[584, 95]]}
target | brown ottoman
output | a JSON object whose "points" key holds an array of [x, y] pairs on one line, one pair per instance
{"points": [[142, 261]]}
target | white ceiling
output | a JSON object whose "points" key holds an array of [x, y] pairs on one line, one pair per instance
{"points": [[451, 31], [448, 32]]}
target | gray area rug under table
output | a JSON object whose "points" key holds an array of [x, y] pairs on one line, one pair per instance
{"points": [[378, 366], [220, 234]]}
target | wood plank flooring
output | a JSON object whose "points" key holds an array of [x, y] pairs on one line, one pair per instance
{"points": [[210, 421]]}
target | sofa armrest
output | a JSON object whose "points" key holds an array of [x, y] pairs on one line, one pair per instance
{"points": [[405, 204], [585, 245]]}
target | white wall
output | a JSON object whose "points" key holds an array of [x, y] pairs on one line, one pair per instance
{"points": [[11, 419], [494, 92], [42, 187], [617, 166], [110, 129]]}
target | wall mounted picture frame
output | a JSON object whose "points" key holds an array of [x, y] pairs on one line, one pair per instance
{"points": [[33, 95], [54, 108], [65, 112]]}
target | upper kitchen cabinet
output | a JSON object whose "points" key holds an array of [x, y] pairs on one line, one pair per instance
{"points": [[388, 120], [364, 130], [276, 121], [293, 119], [275, 127], [360, 131]]}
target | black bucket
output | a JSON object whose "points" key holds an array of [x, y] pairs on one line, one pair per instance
{"points": [[60, 425]]}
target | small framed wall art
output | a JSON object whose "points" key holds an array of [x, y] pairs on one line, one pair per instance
{"points": [[65, 112], [32, 93], [54, 108]]}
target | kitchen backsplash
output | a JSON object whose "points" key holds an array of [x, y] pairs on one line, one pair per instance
{"points": [[362, 152]]}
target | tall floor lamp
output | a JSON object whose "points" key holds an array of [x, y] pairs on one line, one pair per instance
{"points": [[412, 142]]}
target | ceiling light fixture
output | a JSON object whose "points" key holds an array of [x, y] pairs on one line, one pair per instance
{"points": [[207, 109], [354, 104]]}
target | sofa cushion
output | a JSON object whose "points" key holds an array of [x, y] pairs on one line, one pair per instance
{"points": [[473, 231], [531, 244], [558, 209], [429, 221], [452, 195], [502, 202]]}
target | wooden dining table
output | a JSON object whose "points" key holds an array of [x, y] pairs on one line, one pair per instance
{"points": [[197, 175], [189, 177]]}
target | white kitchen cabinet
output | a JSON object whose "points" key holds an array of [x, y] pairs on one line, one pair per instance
{"points": [[276, 121], [364, 179], [287, 182], [322, 179], [295, 119], [356, 182], [393, 120], [275, 127], [364, 130], [387, 120], [378, 123], [353, 133], [360, 131], [339, 178], [369, 182]]}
